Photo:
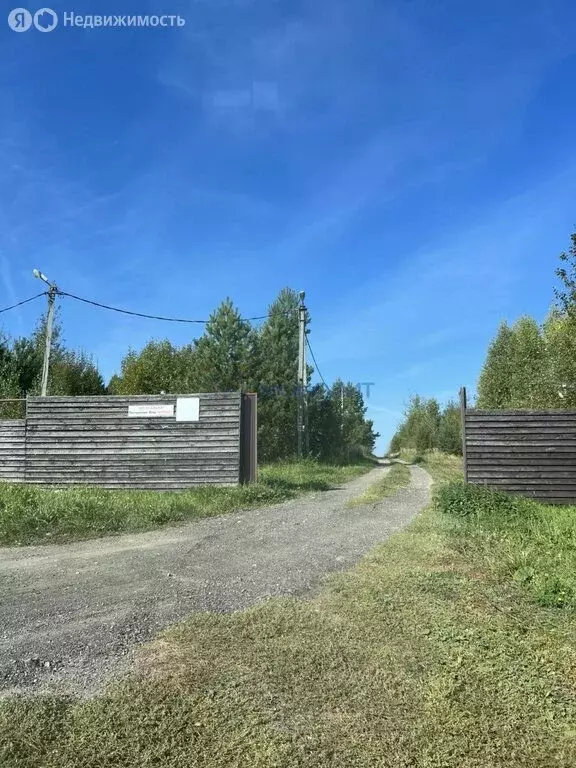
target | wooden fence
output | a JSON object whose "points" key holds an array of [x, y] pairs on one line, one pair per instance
{"points": [[160, 442], [12, 450], [525, 452]]}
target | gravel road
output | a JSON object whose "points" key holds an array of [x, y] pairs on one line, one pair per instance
{"points": [[71, 615]]}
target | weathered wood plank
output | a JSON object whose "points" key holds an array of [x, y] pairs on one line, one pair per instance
{"points": [[170, 484], [520, 466], [524, 432], [83, 463], [12, 450], [554, 474], [498, 443], [78, 420], [93, 441], [530, 453], [521, 414], [561, 483]]}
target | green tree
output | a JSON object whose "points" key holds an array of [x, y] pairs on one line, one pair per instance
{"points": [[8, 380], [494, 386], [74, 374], [421, 429], [227, 354], [27, 361], [277, 365], [529, 365], [158, 367], [449, 432], [357, 434], [566, 294], [325, 424], [427, 426], [516, 372], [559, 333], [71, 373]]}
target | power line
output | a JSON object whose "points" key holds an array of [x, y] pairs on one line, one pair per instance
{"points": [[20, 303], [137, 314], [316, 364], [152, 317], [127, 311]]}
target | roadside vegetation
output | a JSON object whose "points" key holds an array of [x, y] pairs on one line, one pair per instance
{"points": [[33, 515], [434, 652], [427, 426], [518, 539]]}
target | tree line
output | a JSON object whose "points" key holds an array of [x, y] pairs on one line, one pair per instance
{"points": [[71, 372], [427, 426], [528, 365], [231, 354], [531, 364]]}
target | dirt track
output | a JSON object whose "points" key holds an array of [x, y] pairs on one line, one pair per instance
{"points": [[71, 615]]}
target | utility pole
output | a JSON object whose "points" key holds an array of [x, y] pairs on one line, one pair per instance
{"points": [[302, 375], [306, 428], [52, 293]]}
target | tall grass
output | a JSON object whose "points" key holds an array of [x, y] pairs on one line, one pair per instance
{"points": [[32, 515], [520, 539]]}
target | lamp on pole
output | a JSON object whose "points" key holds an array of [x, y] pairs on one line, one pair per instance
{"points": [[52, 293]]}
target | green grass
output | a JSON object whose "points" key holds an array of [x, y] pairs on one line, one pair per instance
{"points": [[411, 456], [398, 476], [441, 467], [518, 539], [421, 656], [32, 515]]}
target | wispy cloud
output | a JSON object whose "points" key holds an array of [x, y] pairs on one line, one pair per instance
{"points": [[266, 66], [8, 283], [450, 295]]}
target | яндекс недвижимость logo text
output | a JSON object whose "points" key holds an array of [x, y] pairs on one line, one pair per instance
{"points": [[46, 20]]}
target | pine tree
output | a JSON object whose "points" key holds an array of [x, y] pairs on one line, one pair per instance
{"points": [[226, 355], [278, 378], [357, 435], [325, 424]]}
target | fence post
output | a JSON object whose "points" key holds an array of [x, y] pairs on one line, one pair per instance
{"points": [[249, 438], [463, 430]]}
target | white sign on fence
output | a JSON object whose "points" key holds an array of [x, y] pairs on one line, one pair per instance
{"points": [[188, 409], [151, 410]]}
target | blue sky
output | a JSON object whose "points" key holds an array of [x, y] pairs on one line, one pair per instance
{"points": [[411, 165]]}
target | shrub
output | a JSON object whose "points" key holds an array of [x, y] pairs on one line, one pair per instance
{"points": [[483, 504]]}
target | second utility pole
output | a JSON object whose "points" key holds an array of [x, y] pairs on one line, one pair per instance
{"points": [[52, 293], [302, 374], [49, 324]]}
